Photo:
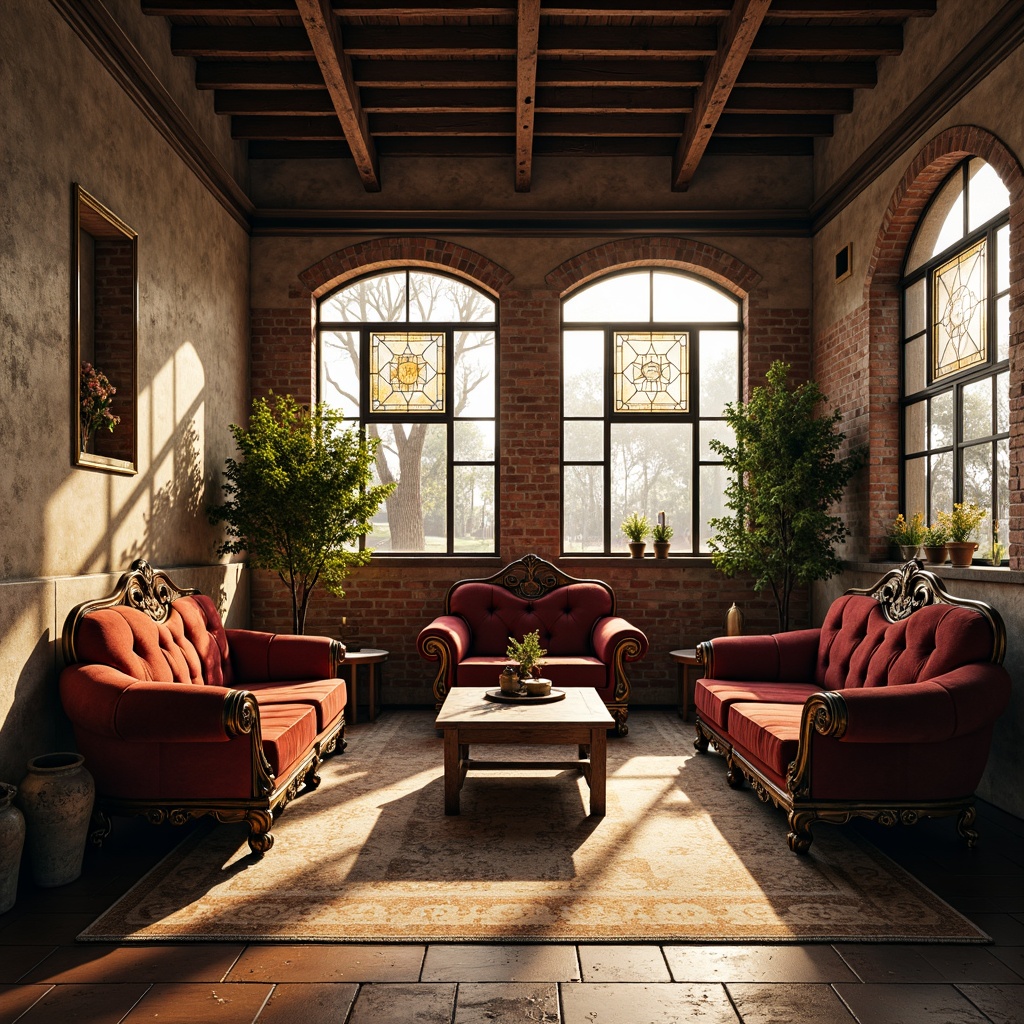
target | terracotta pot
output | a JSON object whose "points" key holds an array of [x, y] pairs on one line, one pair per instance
{"points": [[961, 552], [56, 796], [636, 548], [12, 839], [661, 548], [935, 554]]}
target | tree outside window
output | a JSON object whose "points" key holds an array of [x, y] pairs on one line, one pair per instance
{"points": [[650, 358], [409, 356]]}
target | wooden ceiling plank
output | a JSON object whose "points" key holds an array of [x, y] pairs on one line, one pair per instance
{"points": [[291, 75], [828, 41], [527, 39], [804, 74], [773, 125], [737, 37], [433, 101], [790, 101], [324, 33], [895, 10], [282, 103], [206, 41], [284, 128]]}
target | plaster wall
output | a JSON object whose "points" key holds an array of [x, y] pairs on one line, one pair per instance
{"points": [[68, 532]]}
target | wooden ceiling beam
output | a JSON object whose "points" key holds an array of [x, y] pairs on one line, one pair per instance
{"points": [[737, 37], [527, 36], [324, 31]]}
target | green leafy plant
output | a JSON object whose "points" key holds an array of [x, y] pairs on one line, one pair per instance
{"points": [[910, 533], [935, 536], [526, 652], [661, 533], [785, 474], [636, 527], [965, 518], [300, 497]]}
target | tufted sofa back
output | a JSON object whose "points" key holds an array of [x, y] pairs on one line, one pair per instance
{"points": [[190, 647], [565, 617], [858, 646]]}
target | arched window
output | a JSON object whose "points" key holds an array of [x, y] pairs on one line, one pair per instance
{"points": [[649, 360], [956, 330], [409, 356]]}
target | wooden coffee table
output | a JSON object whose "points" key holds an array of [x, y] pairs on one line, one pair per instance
{"points": [[581, 720]]}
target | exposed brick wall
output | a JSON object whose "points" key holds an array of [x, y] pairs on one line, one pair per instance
{"points": [[857, 360], [389, 601]]}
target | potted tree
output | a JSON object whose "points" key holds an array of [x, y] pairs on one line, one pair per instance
{"points": [[527, 654], [300, 497], [961, 523], [785, 474], [637, 528]]}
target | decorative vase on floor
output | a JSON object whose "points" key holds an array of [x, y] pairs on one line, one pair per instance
{"points": [[961, 552], [12, 839], [56, 796]]}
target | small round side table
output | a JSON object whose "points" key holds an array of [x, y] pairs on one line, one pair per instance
{"points": [[689, 669], [371, 657]]}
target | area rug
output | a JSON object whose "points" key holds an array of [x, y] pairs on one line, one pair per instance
{"points": [[371, 857]]}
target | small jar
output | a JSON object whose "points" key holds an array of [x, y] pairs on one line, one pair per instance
{"points": [[510, 679]]}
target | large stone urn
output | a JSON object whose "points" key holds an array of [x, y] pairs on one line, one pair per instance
{"points": [[57, 797], [12, 839]]}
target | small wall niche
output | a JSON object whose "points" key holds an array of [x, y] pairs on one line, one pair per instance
{"points": [[844, 262], [104, 329]]}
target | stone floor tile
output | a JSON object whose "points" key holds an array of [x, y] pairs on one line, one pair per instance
{"points": [[298, 962], [1013, 957], [309, 1003], [774, 1003], [16, 999], [404, 1004], [630, 1003], [84, 1004], [199, 1004], [909, 1004], [971, 964], [507, 1003], [205, 962], [1005, 929], [1000, 1003], [773, 963], [526, 962], [623, 963], [36, 929], [17, 961], [1008, 903], [885, 963]]}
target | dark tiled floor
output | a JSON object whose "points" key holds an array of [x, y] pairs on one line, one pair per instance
{"points": [[46, 977]]}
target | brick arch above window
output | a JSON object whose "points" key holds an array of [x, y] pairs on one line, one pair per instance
{"points": [[710, 262], [379, 254]]}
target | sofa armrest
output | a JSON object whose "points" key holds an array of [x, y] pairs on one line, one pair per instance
{"points": [[452, 632], [110, 703], [612, 631], [957, 703], [779, 658], [282, 657]]}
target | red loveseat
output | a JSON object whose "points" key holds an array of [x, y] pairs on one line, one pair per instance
{"points": [[587, 643], [179, 717], [885, 712]]}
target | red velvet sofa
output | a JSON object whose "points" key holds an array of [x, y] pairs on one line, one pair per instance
{"points": [[885, 712], [179, 717], [587, 643]]}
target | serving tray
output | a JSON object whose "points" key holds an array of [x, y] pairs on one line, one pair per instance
{"points": [[500, 697]]}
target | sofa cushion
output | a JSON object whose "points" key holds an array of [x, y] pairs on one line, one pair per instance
{"points": [[769, 731], [289, 730], [564, 617], [327, 697], [577, 671], [714, 697], [131, 642]]}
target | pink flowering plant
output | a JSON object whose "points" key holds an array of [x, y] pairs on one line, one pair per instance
{"points": [[96, 394]]}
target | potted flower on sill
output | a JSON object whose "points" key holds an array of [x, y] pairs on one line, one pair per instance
{"points": [[527, 653], [934, 544], [965, 518], [661, 534], [637, 528], [907, 535]]}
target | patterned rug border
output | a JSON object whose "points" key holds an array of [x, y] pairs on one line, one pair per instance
{"points": [[96, 932]]}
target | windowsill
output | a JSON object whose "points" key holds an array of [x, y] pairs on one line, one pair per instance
{"points": [[997, 574]]}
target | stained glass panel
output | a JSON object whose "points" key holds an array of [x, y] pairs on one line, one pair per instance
{"points": [[959, 302], [652, 372], [407, 372]]}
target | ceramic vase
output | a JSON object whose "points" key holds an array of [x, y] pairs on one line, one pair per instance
{"points": [[57, 797], [734, 621], [12, 839]]}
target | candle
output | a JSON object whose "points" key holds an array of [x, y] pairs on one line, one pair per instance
{"points": [[661, 518]]}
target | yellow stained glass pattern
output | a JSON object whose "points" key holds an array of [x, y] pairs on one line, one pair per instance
{"points": [[652, 372], [407, 372], [959, 289]]}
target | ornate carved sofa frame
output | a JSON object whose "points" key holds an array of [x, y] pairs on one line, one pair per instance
{"points": [[587, 643], [884, 712], [179, 717]]}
